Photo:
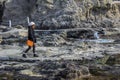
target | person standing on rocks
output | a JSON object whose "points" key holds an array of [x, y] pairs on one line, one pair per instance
{"points": [[31, 39]]}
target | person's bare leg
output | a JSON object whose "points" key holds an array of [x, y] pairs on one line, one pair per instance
{"points": [[28, 49], [24, 55], [34, 53]]}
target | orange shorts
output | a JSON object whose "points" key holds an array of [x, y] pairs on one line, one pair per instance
{"points": [[30, 43]]}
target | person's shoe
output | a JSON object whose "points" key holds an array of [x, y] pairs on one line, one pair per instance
{"points": [[35, 55], [24, 56]]}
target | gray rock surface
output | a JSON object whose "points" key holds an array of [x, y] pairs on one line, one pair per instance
{"points": [[63, 55], [60, 57], [60, 13]]}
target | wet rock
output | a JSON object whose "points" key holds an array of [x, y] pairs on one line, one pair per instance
{"points": [[13, 36], [61, 70], [19, 27], [117, 41], [1, 39], [4, 28], [113, 60], [88, 34], [104, 70], [53, 40], [71, 72], [6, 76], [84, 71], [14, 33], [30, 73], [15, 68], [107, 23], [67, 74]]}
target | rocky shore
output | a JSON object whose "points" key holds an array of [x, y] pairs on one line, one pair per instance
{"points": [[78, 40], [62, 56], [61, 70]]}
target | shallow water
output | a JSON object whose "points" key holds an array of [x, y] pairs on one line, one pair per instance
{"points": [[100, 40], [96, 35]]}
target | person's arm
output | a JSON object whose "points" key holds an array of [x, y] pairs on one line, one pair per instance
{"points": [[34, 37]]}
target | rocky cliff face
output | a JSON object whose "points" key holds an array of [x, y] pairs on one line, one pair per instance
{"points": [[60, 13]]}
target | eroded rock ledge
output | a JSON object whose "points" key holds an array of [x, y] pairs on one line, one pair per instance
{"points": [[53, 14]]}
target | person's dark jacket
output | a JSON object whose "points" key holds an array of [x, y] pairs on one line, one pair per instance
{"points": [[31, 34]]}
